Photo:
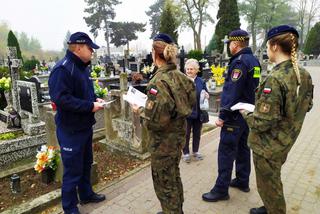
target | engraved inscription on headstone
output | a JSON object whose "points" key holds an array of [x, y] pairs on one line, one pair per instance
{"points": [[133, 66], [25, 98]]}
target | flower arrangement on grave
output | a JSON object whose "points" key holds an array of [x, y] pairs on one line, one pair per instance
{"points": [[47, 158], [96, 70], [217, 74], [99, 91], [5, 83], [136, 77], [147, 69], [44, 68]]}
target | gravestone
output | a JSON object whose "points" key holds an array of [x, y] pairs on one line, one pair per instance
{"points": [[182, 58], [124, 131], [134, 66], [29, 110], [14, 63]]}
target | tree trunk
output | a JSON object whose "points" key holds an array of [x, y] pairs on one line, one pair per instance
{"points": [[194, 40], [254, 37], [198, 42], [106, 35]]}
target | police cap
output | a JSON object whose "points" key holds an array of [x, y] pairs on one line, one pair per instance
{"points": [[281, 29], [163, 37], [238, 35], [82, 38]]}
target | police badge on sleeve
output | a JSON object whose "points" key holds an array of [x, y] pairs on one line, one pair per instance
{"points": [[236, 74]]}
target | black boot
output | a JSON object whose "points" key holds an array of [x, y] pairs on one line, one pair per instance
{"points": [[234, 183], [95, 198], [215, 196], [260, 210]]}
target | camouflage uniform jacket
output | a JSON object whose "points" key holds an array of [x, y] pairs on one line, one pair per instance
{"points": [[171, 95], [279, 111]]}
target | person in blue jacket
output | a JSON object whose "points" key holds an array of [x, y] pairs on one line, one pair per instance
{"points": [[193, 120], [240, 84], [72, 92]]}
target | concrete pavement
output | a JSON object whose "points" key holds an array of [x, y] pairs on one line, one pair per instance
{"points": [[300, 176]]}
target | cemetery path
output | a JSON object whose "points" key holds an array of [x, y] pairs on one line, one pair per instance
{"points": [[300, 175]]}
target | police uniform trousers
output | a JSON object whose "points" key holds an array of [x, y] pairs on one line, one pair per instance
{"points": [[233, 147], [166, 175], [77, 158], [268, 177]]}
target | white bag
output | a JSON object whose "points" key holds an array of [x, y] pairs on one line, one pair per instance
{"points": [[204, 102]]}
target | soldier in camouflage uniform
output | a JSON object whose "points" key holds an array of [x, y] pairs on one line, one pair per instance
{"points": [[171, 96], [282, 101]]}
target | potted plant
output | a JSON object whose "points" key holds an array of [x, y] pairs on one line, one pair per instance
{"points": [[47, 162]]}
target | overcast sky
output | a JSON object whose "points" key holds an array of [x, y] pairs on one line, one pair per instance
{"points": [[49, 20]]}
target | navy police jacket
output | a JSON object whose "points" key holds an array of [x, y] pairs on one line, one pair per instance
{"points": [[241, 82], [200, 84], [71, 89]]}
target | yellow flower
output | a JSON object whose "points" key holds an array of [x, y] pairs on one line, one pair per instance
{"points": [[217, 74]]}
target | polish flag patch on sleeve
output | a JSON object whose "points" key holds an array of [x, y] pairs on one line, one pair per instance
{"points": [[153, 91], [267, 90]]}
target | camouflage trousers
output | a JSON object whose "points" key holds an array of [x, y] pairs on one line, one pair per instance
{"points": [[167, 182], [268, 177]]}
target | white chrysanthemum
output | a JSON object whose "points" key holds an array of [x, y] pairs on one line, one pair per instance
{"points": [[44, 148], [50, 154]]}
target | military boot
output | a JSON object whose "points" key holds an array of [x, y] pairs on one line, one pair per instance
{"points": [[215, 196], [260, 210], [235, 184]]}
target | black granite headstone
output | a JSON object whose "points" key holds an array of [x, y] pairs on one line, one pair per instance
{"points": [[25, 98]]}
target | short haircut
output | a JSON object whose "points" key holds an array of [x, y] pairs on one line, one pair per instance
{"points": [[192, 63]]}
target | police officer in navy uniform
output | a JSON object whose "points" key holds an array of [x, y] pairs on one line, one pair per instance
{"points": [[72, 92], [241, 81]]}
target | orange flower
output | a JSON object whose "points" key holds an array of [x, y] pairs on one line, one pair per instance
{"points": [[43, 157], [38, 168], [51, 147]]}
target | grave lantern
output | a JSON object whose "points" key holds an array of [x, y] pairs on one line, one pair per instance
{"points": [[15, 184]]}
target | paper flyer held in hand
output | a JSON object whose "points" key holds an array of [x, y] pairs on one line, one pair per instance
{"points": [[245, 106], [136, 97], [106, 103]]}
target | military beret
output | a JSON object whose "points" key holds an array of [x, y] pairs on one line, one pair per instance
{"points": [[82, 38], [281, 29], [238, 35], [163, 37]]}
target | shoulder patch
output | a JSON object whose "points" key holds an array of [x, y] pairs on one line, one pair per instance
{"points": [[153, 91], [264, 107], [267, 90], [149, 104], [236, 74]]}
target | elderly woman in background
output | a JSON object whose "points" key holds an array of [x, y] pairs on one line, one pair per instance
{"points": [[193, 120]]}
